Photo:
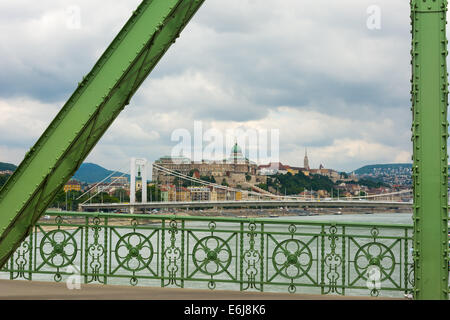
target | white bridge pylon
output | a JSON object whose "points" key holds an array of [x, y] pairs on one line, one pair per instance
{"points": [[142, 164]]}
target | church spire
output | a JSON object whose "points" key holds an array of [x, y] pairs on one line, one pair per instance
{"points": [[306, 160]]}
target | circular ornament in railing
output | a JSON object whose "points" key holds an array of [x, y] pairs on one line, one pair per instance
{"points": [[173, 224], [58, 220], [374, 232], [134, 251], [333, 230], [374, 292], [212, 226], [134, 281], [58, 248], [292, 288], [252, 226], [96, 221], [292, 228], [292, 258], [375, 254], [211, 285], [57, 277], [212, 255]]}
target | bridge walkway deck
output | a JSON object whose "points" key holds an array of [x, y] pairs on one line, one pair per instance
{"points": [[35, 290]]}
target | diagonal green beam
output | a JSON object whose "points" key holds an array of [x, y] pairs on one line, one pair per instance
{"points": [[429, 136], [89, 112]]}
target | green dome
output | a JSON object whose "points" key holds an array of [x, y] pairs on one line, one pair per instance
{"points": [[236, 149]]}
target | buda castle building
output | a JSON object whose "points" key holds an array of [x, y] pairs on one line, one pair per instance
{"points": [[234, 171]]}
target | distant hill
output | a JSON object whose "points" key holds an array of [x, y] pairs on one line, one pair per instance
{"points": [[88, 172], [386, 168], [7, 166], [91, 172]]}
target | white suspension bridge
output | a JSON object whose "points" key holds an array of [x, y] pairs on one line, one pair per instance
{"points": [[256, 197]]}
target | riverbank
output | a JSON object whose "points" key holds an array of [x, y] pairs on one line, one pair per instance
{"points": [[265, 213], [229, 213]]}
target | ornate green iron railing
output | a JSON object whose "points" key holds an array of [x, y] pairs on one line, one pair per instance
{"points": [[223, 253]]}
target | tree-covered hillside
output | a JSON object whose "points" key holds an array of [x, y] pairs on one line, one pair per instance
{"points": [[384, 168], [295, 184], [7, 166]]}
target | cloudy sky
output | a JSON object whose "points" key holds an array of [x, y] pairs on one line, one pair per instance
{"points": [[311, 69]]}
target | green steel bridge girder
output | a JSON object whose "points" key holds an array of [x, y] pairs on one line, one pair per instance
{"points": [[429, 135], [97, 101]]}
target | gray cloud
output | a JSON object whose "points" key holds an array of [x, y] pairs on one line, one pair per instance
{"points": [[309, 68]]}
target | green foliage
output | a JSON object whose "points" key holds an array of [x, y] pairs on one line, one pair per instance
{"points": [[390, 166], [186, 183], [153, 194], [295, 184], [224, 182], [263, 186], [208, 179], [69, 201], [344, 175], [177, 180], [191, 173], [372, 183], [122, 195]]}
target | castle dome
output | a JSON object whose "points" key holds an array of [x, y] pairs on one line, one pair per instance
{"points": [[236, 155], [236, 149]]}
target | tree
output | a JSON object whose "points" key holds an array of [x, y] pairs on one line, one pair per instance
{"points": [[295, 184], [372, 183], [153, 194], [344, 175], [122, 195], [191, 173], [263, 186], [68, 200]]}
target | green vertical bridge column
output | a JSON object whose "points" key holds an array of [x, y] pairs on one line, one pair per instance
{"points": [[429, 135], [86, 116]]}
